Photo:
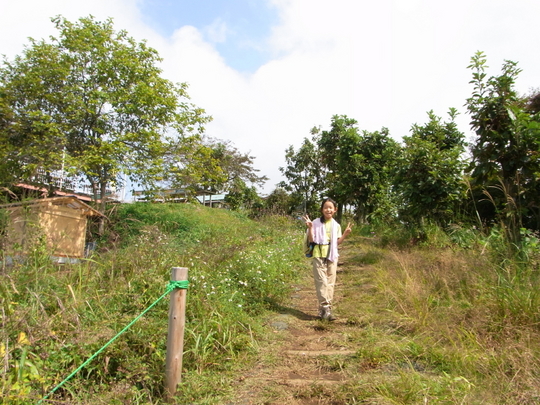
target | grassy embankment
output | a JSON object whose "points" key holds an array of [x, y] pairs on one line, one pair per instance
{"points": [[55, 317], [450, 320]]}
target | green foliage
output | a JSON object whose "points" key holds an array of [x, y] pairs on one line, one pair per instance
{"points": [[369, 175], [279, 202], [491, 119], [92, 102], [237, 269], [211, 165], [505, 151], [241, 196], [237, 166], [424, 180], [350, 167], [305, 174], [336, 147], [359, 167], [428, 177]]}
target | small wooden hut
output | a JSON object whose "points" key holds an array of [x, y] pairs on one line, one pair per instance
{"points": [[60, 221]]}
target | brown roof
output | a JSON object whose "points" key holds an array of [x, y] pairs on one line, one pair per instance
{"points": [[60, 193], [71, 202]]}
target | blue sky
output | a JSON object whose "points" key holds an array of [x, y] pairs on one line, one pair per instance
{"points": [[268, 71], [237, 28]]}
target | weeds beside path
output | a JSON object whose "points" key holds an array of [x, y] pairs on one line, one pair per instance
{"points": [[431, 322], [418, 326], [306, 360]]}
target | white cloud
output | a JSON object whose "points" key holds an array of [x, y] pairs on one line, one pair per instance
{"points": [[382, 63], [31, 18], [217, 31]]}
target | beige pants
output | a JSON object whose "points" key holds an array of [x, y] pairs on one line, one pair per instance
{"points": [[324, 274]]}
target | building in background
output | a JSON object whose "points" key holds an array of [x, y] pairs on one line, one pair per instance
{"points": [[180, 195]]}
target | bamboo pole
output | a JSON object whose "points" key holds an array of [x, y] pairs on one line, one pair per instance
{"points": [[175, 336]]}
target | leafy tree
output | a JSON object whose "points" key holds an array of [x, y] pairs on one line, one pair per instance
{"points": [[8, 168], [343, 132], [278, 202], [429, 174], [505, 163], [359, 166], [93, 99], [194, 167], [496, 148], [369, 174], [305, 175], [211, 165], [30, 142], [241, 196], [235, 165]]}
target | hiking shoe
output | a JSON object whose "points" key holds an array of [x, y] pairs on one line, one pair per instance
{"points": [[329, 317], [325, 313]]}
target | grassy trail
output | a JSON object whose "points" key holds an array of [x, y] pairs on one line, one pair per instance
{"points": [[308, 361], [412, 328]]}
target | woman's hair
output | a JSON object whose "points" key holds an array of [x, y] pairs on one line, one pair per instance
{"points": [[327, 199]]}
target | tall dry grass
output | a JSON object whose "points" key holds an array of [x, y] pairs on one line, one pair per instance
{"points": [[451, 324]]}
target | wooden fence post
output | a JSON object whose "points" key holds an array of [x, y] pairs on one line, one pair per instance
{"points": [[175, 336]]}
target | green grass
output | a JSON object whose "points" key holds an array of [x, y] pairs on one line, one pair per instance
{"points": [[443, 324], [55, 317], [449, 317]]}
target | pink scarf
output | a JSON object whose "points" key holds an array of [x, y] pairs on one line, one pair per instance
{"points": [[319, 237]]}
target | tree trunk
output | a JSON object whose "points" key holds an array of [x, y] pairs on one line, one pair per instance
{"points": [[339, 214], [102, 205]]}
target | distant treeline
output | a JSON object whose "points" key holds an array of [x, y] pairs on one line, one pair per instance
{"points": [[434, 175]]}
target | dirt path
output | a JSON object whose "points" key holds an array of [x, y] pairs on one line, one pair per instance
{"points": [[304, 361]]}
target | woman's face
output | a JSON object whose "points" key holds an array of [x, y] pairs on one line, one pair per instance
{"points": [[328, 210]]}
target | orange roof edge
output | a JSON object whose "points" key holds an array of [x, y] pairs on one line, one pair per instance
{"points": [[70, 201]]}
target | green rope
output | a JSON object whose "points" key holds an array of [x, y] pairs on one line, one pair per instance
{"points": [[183, 284]]}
